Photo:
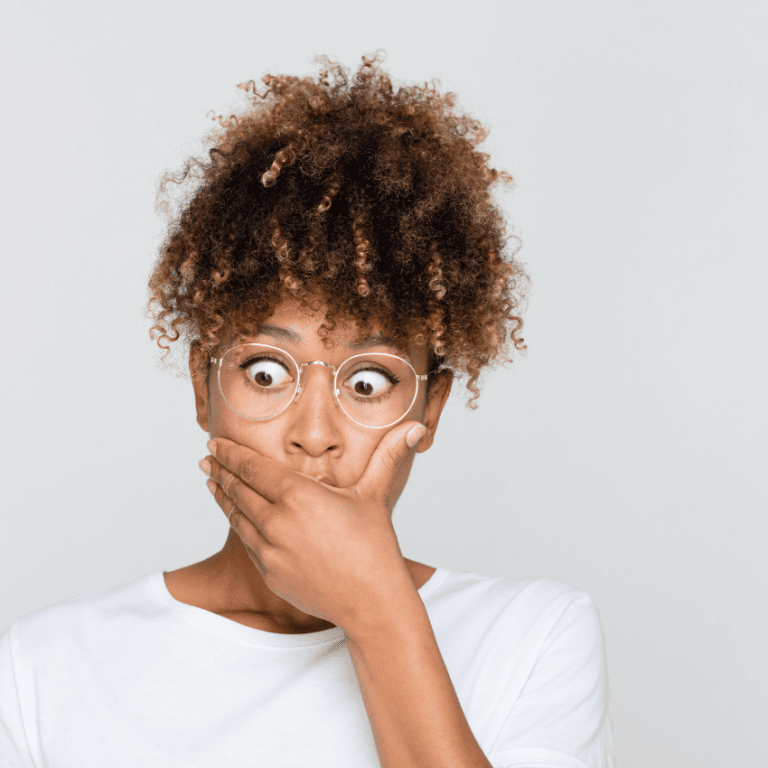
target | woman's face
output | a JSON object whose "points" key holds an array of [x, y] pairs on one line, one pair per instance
{"points": [[313, 435]]}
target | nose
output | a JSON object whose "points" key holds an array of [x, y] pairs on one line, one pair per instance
{"points": [[315, 399], [314, 415], [323, 385]]}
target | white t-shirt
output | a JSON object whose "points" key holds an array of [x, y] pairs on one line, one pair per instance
{"points": [[129, 676]]}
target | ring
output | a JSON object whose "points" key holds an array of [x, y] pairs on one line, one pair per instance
{"points": [[231, 511], [227, 481]]}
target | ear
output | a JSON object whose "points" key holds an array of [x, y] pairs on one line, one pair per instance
{"points": [[198, 370], [439, 391]]}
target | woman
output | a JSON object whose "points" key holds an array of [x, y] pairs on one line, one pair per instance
{"points": [[337, 260]]}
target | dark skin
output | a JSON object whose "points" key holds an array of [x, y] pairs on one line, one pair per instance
{"points": [[312, 437]]}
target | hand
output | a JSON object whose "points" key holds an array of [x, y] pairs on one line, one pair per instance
{"points": [[331, 552]]}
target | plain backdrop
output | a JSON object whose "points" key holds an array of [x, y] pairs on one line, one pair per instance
{"points": [[625, 454]]}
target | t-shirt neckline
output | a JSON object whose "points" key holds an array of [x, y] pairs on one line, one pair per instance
{"points": [[223, 627]]}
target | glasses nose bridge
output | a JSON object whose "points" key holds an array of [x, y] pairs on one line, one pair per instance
{"points": [[301, 382]]}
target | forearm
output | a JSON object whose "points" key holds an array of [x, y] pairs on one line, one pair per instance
{"points": [[415, 715]]}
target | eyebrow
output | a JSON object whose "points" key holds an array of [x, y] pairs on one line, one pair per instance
{"points": [[286, 334]]}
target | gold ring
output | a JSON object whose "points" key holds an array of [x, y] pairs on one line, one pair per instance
{"points": [[231, 512], [227, 482]]}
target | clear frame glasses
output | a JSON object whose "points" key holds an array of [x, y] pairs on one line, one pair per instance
{"points": [[374, 389]]}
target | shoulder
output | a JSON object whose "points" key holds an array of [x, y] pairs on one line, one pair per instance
{"points": [[543, 599], [556, 614], [555, 604], [531, 616]]}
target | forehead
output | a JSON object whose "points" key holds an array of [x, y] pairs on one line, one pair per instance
{"points": [[291, 326], [294, 336]]}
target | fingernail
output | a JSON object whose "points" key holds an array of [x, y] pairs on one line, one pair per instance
{"points": [[211, 486], [212, 447], [415, 435], [205, 465]]}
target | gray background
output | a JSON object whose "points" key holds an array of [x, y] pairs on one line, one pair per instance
{"points": [[625, 454]]}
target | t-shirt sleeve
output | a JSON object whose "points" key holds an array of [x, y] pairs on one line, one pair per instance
{"points": [[562, 718], [14, 750]]}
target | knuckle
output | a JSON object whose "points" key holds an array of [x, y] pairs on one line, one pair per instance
{"points": [[233, 490], [246, 473], [267, 556], [270, 527], [292, 493]]}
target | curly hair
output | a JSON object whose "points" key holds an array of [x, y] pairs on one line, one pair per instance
{"points": [[342, 192]]}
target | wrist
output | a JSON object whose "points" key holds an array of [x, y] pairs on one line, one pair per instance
{"points": [[396, 607]]}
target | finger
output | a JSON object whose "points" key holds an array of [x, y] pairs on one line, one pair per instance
{"points": [[249, 534], [250, 506], [232, 476], [231, 484], [226, 505], [267, 477]]}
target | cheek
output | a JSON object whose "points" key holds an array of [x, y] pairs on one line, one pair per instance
{"points": [[419, 406], [218, 411], [355, 456], [224, 422]]}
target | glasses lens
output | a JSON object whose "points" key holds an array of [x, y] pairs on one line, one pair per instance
{"points": [[259, 381], [376, 390]]}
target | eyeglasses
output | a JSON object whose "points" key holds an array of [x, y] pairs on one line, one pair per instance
{"points": [[259, 381]]}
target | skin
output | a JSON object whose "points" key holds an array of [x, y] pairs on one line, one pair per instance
{"points": [[312, 436]]}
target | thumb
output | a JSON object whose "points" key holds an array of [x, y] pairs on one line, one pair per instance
{"points": [[390, 453]]}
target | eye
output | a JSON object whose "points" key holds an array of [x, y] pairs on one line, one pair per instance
{"points": [[371, 382], [266, 371]]}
